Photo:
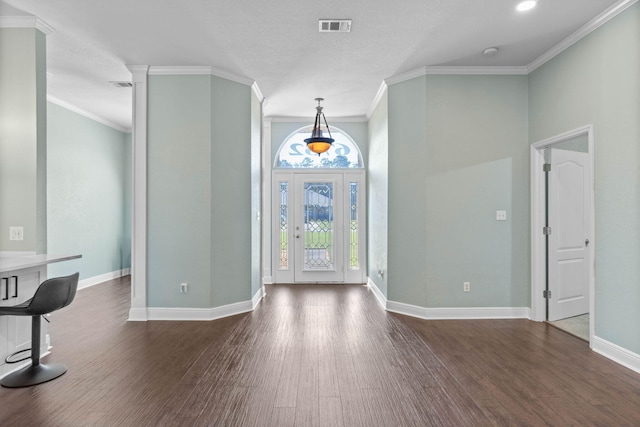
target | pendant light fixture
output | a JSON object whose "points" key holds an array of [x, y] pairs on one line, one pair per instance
{"points": [[317, 142]]}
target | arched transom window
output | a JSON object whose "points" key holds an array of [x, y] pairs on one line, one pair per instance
{"points": [[293, 152]]}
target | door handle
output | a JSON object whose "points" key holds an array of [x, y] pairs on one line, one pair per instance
{"points": [[586, 243]]}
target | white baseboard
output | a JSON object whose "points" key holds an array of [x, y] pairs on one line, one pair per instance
{"points": [[92, 281], [616, 353], [459, 313], [180, 313], [257, 297], [377, 292], [267, 280]]}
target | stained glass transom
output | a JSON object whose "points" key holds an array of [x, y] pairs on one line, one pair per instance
{"points": [[294, 153]]}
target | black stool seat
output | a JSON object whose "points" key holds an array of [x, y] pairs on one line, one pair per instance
{"points": [[51, 295]]}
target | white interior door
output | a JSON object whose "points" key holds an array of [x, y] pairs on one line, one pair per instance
{"points": [[319, 234], [569, 201]]}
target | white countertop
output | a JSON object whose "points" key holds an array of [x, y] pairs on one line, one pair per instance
{"points": [[12, 263]]}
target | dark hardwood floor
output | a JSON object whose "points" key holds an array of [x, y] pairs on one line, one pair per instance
{"points": [[316, 355]]}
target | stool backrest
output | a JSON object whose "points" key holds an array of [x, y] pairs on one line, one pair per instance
{"points": [[53, 294]]}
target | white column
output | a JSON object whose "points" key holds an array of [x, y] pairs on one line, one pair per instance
{"points": [[138, 311]]}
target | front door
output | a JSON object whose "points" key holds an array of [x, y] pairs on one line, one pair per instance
{"points": [[569, 201], [320, 227]]}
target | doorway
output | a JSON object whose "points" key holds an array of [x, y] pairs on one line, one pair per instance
{"points": [[318, 226], [563, 243]]}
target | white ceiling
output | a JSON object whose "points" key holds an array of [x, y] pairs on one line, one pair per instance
{"points": [[277, 44]]}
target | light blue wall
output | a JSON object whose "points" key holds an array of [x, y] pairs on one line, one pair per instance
{"points": [[179, 191], [597, 81], [406, 261], [22, 138], [477, 163], [232, 216], [458, 151], [88, 182], [199, 191], [378, 194]]}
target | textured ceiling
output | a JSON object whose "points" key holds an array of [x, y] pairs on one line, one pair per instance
{"points": [[278, 45]]}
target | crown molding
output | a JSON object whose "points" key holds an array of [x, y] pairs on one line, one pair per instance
{"points": [[581, 33], [309, 120], [257, 92], [376, 100], [403, 77], [198, 70], [86, 114], [26, 22], [477, 70]]}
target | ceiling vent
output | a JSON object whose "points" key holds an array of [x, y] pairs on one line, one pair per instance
{"points": [[334, 25], [121, 84]]}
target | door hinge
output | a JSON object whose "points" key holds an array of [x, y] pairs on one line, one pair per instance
{"points": [[546, 294], [546, 230], [546, 167]]}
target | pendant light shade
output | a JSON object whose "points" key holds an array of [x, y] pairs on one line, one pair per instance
{"points": [[318, 143]]}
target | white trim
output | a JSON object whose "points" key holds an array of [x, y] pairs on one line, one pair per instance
{"points": [[377, 293], [309, 119], [538, 312], [7, 254], [267, 280], [26, 22], [139, 197], [86, 114], [477, 70], [459, 313], [198, 70], [257, 297], [257, 92], [618, 354], [376, 100], [403, 77], [205, 314], [581, 33], [96, 280]]}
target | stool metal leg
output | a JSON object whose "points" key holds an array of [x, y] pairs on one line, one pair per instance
{"points": [[37, 373]]}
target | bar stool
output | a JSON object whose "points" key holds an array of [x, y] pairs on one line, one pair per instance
{"points": [[51, 295]]}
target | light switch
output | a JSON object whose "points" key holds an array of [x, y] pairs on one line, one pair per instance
{"points": [[501, 215]]}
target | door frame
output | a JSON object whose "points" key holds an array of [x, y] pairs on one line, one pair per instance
{"points": [[288, 275], [538, 259]]}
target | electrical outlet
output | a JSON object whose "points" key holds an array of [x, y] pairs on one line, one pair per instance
{"points": [[184, 288], [501, 215], [467, 287], [16, 233]]}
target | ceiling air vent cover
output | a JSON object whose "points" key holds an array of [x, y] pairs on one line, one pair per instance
{"points": [[334, 25], [120, 84]]}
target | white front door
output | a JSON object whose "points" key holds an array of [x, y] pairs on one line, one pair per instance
{"points": [[569, 201], [319, 232]]}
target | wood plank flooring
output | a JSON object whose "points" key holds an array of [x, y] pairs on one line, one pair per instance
{"points": [[316, 356]]}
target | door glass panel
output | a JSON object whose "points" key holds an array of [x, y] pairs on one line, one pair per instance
{"points": [[353, 226], [318, 226], [284, 225]]}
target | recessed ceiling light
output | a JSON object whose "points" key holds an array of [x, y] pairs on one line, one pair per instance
{"points": [[526, 5], [490, 51]]}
